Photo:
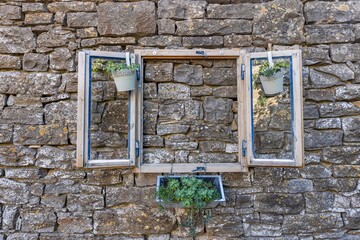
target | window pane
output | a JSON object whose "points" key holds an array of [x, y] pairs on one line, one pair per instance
{"points": [[109, 114], [271, 103]]}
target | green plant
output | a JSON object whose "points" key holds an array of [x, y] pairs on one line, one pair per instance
{"points": [[266, 70], [193, 194], [109, 66]]}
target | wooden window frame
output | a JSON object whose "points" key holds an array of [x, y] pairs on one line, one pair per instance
{"points": [[84, 72], [298, 129], [173, 54]]}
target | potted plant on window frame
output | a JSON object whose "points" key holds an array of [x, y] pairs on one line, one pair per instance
{"points": [[195, 194], [272, 76], [124, 75]]}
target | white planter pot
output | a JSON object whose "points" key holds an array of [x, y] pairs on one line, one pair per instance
{"points": [[125, 80], [273, 84]]}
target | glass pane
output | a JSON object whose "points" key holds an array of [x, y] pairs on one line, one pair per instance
{"points": [[109, 114], [271, 103]]}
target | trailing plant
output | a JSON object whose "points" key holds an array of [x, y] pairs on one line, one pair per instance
{"points": [[193, 194], [267, 70], [109, 66]]}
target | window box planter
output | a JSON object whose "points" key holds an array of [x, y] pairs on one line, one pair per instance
{"points": [[215, 180]]}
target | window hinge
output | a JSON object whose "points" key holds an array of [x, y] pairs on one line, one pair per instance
{"points": [[137, 150], [244, 148], [242, 71]]}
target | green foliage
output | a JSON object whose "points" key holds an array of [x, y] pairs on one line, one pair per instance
{"points": [[110, 66], [193, 194], [266, 70]]}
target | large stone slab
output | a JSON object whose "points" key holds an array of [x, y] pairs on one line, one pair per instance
{"points": [[133, 220], [52, 157], [77, 222], [345, 52], [16, 40], [279, 22], [242, 11], [218, 110], [29, 115], [348, 92], [132, 19], [10, 62], [56, 37], [351, 127], [203, 27], [181, 9], [10, 12], [38, 220], [321, 34], [41, 134], [82, 19], [17, 156], [189, 74], [279, 203], [328, 12], [341, 155], [320, 139]]}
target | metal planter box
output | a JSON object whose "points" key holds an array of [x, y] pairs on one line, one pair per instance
{"points": [[215, 179]]}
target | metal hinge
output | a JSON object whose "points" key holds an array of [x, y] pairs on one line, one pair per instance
{"points": [[137, 150], [244, 148], [242, 71]]}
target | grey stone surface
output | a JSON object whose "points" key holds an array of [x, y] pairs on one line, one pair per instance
{"points": [[341, 155], [142, 15], [10, 12], [160, 41], [82, 19], [71, 7], [300, 185], [327, 12], [16, 40], [62, 59], [218, 110], [174, 91], [320, 34], [35, 62], [203, 42], [33, 7], [56, 37], [243, 11], [10, 62], [189, 74], [198, 27], [181, 9], [351, 127], [345, 52], [166, 26], [37, 220], [74, 222], [159, 72], [52, 157], [38, 18], [41, 134], [270, 24]]}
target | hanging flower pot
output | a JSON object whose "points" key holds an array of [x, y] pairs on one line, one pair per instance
{"points": [[273, 84], [125, 79]]}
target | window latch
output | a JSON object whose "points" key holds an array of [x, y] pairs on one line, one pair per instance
{"points": [[203, 53], [242, 71], [199, 169], [137, 149], [244, 148]]}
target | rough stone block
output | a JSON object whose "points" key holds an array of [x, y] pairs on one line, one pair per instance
{"points": [[195, 27], [204, 157], [38, 220], [53, 201], [348, 92], [279, 203], [237, 41], [85, 202], [133, 220], [316, 171], [165, 129], [347, 171], [41, 134], [175, 111], [320, 95], [151, 111], [150, 90], [226, 226], [243, 11], [5, 133], [279, 22], [166, 26], [218, 110], [143, 180], [56, 37], [159, 72], [117, 196], [189, 74], [10, 216], [337, 185], [319, 202], [203, 42], [341, 155], [212, 146], [24, 173], [52, 157], [82, 19], [153, 141], [265, 230], [33, 7], [345, 52], [10, 12], [320, 139], [27, 236], [267, 176], [327, 12], [174, 91], [89, 32], [38, 18], [334, 33], [77, 222], [142, 15], [339, 109], [102, 177], [194, 109], [10, 62], [158, 156], [211, 132], [328, 123], [309, 223], [29, 115], [219, 76], [160, 41], [16, 40], [12, 192], [181, 9], [17, 156], [62, 59], [315, 55], [62, 186], [35, 62], [63, 111], [351, 127], [72, 7], [300, 185]]}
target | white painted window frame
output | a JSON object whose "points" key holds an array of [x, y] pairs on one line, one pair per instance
{"points": [[84, 72], [298, 129]]}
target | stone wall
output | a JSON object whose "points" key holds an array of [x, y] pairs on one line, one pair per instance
{"points": [[43, 196]]}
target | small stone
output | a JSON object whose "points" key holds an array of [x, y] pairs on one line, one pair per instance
{"points": [[142, 15], [63, 111], [212, 146], [101, 177], [156, 156], [160, 41], [300, 185], [279, 203], [72, 7], [347, 171], [328, 123], [10, 217], [219, 76], [38, 220], [165, 129], [10, 12], [175, 111], [62, 186], [184, 9], [237, 41], [10, 62], [56, 37], [345, 52], [339, 109], [218, 110], [16, 40], [38, 18], [351, 127], [33, 7], [242, 11], [316, 171], [319, 202], [12, 192], [35, 62], [320, 95], [159, 72], [204, 157], [82, 19], [166, 26], [53, 200], [341, 155], [319, 139], [348, 92], [17, 156], [24, 173], [84, 202], [189, 74], [226, 226], [173, 91], [29, 115], [62, 59], [202, 42], [52, 157], [337, 185], [315, 55], [89, 32]]}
